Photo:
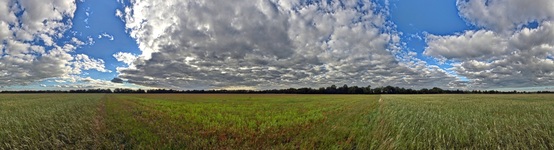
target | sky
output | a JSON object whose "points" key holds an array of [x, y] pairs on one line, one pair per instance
{"points": [[270, 44]]}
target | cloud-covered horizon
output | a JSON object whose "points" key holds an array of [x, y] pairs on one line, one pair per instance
{"points": [[265, 44]]}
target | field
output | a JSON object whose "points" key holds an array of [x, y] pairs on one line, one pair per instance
{"points": [[193, 121]]}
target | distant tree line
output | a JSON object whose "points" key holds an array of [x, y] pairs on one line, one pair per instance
{"points": [[345, 89]]}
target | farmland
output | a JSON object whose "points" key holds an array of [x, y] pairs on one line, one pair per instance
{"points": [[238, 121]]}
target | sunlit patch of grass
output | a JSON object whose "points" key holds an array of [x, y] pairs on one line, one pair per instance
{"points": [[255, 121]]}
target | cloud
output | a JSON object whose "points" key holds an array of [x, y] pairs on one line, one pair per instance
{"points": [[24, 24], [505, 15], [117, 80], [503, 53], [268, 44], [83, 62], [469, 45], [527, 63], [78, 82], [126, 58], [106, 35]]}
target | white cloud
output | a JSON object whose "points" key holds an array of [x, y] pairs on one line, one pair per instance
{"points": [[119, 14], [505, 15], [471, 44], [77, 41], [490, 60], [106, 35], [268, 44], [504, 53], [90, 40], [45, 19], [23, 60], [83, 62], [5, 32], [126, 58]]}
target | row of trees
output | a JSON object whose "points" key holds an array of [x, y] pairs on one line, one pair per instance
{"points": [[345, 89]]}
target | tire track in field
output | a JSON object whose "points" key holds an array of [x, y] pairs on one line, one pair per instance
{"points": [[381, 103], [99, 125]]}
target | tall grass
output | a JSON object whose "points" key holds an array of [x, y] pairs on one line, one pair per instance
{"points": [[469, 121], [47, 121]]}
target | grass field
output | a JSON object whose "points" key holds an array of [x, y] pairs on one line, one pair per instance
{"points": [[192, 121]]}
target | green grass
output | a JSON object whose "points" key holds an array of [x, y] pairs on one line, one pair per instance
{"points": [[469, 121], [247, 121], [48, 121], [193, 121]]}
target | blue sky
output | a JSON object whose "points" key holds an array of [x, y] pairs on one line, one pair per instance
{"points": [[473, 44], [417, 18], [100, 21]]}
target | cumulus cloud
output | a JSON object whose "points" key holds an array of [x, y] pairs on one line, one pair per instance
{"points": [[475, 44], [83, 62], [23, 23], [502, 53], [126, 58], [267, 44], [505, 15]]}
